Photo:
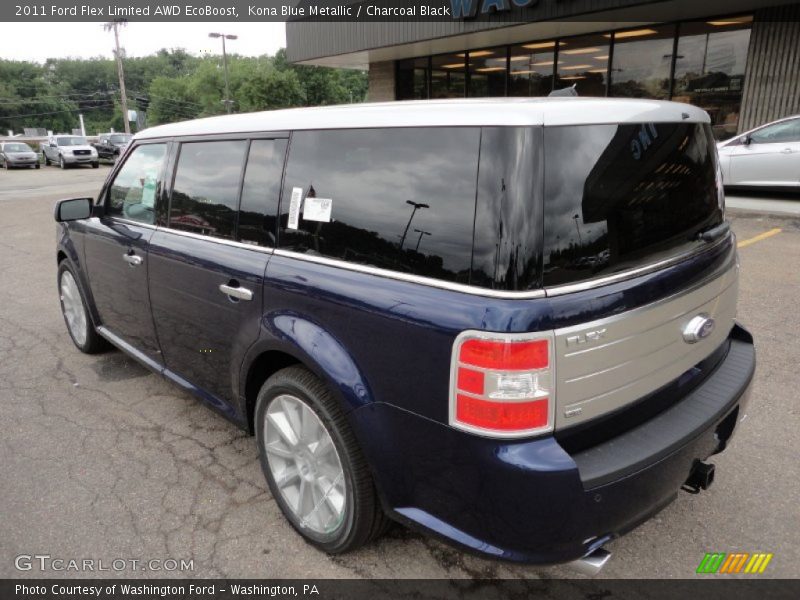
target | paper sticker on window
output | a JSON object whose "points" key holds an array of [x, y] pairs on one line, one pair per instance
{"points": [[318, 209], [149, 192], [294, 208]]}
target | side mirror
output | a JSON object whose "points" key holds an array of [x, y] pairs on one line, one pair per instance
{"points": [[52, 144], [73, 209], [747, 140]]}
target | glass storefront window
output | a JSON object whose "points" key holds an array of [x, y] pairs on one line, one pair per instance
{"points": [[448, 76], [583, 61], [641, 63], [710, 68], [412, 79], [487, 72], [531, 69]]}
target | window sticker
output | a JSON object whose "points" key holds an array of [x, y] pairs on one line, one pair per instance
{"points": [[294, 208], [318, 209], [149, 191]]}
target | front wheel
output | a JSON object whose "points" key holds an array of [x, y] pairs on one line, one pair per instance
{"points": [[76, 315], [61, 162], [95, 165], [313, 465]]}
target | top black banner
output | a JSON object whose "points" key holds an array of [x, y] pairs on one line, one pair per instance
{"points": [[506, 11]]}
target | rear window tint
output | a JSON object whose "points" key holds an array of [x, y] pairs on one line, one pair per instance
{"points": [[621, 196], [399, 199]]}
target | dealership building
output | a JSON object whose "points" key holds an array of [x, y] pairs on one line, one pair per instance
{"points": [[737, 59]]}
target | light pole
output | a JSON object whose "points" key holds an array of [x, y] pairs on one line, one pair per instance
{"points": [[578, 229], [224, 37], [114, 26], [416, 206], [421, 233]]}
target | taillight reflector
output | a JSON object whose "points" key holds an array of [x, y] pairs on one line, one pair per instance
{"points": [[506, 355], [470, 381], [501, 416]]}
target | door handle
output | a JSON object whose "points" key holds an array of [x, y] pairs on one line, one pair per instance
{"points": [[234, 291], [132, 259]]}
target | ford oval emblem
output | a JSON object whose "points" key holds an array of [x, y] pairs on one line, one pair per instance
{"points": [[698, 328]]}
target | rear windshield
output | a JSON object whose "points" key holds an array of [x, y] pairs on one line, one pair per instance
{"points": [[623, 196]]}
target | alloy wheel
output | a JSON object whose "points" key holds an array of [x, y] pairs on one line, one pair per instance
{"points": [[304, 464], [73, 308]]}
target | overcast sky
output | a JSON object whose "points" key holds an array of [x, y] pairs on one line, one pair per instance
{"points": [[39, 41]]}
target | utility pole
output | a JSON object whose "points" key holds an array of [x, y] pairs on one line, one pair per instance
{"points": [[114, 25], [227, 102]]}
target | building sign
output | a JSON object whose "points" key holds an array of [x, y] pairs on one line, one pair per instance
{"points": [[469, 9]]}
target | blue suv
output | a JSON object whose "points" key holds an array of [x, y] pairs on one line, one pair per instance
{"points": [[506, 323]]}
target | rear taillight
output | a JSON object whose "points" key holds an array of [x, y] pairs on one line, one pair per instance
{"points": [[501, 385]]}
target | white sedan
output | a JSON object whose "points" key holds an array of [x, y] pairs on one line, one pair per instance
{"points": [[767, 156]]}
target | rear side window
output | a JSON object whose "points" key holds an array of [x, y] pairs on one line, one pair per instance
{"points": [[206, 188], [623, 196], [261, 192], [400, 199], [133, 193]]}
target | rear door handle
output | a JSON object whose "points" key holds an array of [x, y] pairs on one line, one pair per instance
{"points": [[237, 292], [132, 259]]}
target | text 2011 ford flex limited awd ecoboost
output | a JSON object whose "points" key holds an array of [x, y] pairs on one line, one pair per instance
{"points": [[508, 323]]}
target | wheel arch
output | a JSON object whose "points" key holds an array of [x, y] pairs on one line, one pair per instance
{"points": [[289, 340]]}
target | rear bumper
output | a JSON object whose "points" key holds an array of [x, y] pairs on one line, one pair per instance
{"points": [[531, 501]]}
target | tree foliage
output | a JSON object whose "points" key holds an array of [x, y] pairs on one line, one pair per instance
{"points": [[176, 85]]}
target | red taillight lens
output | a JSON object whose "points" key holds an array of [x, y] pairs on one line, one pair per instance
{"points": [[501, 384], [506, 355], [501, 416]]}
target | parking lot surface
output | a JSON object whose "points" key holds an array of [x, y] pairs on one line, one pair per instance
{"points": [[103, 460]]}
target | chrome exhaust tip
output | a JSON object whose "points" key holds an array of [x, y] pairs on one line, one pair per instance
{"points": [[592, 563]]}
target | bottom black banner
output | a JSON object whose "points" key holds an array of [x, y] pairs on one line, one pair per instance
{"points": [[411, 589]]}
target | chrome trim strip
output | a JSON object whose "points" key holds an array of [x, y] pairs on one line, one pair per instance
{"points": [[447, 285], [208, 238], [589, 284], [131, 222]]}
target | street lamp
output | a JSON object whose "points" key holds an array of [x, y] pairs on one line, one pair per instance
{"points": [[421, 233], [578, 229], [224, 37], [416, 205]]}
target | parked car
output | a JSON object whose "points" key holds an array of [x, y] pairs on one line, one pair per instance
{"points": [[767, 156], [483, 382], [68, 150], [111, 145], [17, 154]]}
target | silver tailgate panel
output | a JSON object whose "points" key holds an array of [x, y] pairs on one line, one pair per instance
{"points": [[603, 365]]}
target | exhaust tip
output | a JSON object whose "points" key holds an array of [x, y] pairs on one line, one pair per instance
{"points": [[592, 563]]}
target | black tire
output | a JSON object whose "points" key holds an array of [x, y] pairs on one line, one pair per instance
{"points": [[46, 160], [95, 165], [363, 519], [36, 166], [61, 162], [94, 344]]}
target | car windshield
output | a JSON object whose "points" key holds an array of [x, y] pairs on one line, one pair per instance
{"points": [[17, 148], [71, 141], [121, 138]]}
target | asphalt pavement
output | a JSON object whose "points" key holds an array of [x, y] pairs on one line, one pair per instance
{"points": [[102, 460]]}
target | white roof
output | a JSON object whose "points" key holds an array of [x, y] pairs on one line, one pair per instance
{"points": [[442, 113]]}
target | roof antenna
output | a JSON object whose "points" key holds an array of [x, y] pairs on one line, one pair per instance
{"points": [[569, 91]]}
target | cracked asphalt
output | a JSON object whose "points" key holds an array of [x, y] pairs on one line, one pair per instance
{"points": [[100, 459]]}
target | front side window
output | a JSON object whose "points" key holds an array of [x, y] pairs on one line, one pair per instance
{"points": [[787, 131], [133, 193], [400, 199], [206, 189]]}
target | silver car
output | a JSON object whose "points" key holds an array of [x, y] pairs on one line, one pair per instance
{"points": [[767, 156], [17, 154]]}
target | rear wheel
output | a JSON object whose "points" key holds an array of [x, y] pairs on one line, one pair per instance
{"points": [[313, 465], [76, 316], [95, 165]]}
